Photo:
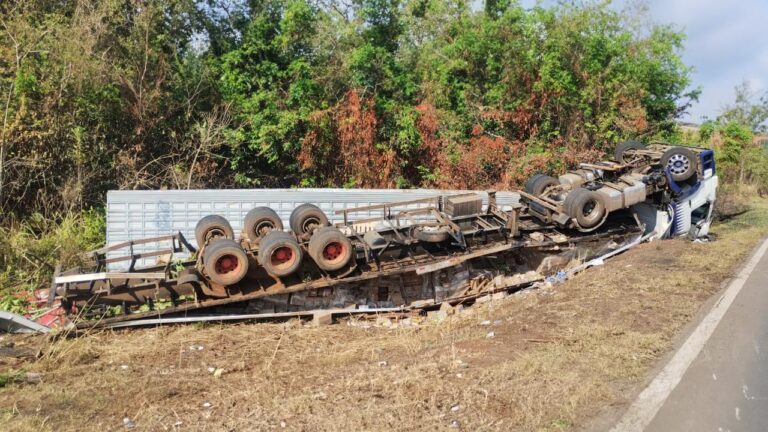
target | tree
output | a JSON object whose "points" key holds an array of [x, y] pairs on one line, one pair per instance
{"points": [[96, 95], [745, 111], [130, 94]]}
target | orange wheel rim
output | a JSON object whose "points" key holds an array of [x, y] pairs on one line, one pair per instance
{"points": [[283, 257], [226, 264], [333, 251]]}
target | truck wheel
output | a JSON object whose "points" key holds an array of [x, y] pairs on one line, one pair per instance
{"points": [[681, 163], [210, 227], [622, 148], [225, 262], [330, 249], [431, 234], [538, 183], [586, 206], [305, 218], [279, 253], [259, 221]]}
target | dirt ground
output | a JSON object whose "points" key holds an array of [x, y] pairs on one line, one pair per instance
{"points": [[548, 359]]}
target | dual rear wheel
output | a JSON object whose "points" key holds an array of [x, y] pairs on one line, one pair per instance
{"points": [[259, 222], [330, 249], [279, 253], [225, 262]]}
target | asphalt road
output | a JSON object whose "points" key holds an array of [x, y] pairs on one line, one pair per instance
{"points": [[726, 386]]}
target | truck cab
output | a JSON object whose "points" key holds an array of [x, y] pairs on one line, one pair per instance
{"points": [[670, 188]]}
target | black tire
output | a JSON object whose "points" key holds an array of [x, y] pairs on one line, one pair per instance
{"points": [[187, 276], [260, 221], [586, 206], [431, 234], [622, 148], [210, 227], [306, 218], [330, 249], [280, 254], [681, 163], [225, 262], [538, 183]]}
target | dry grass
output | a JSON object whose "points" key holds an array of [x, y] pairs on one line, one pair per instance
{"points": [[559, 356]]}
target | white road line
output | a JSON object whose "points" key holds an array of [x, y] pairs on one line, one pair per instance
{"points": [[650, 400]]}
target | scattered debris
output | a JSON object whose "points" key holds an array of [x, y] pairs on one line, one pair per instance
{"points": [[128, 423], [461, 363], [422, 303], [322, 318], [13, 323], [483, 299], [33, 378], [557, 278]]}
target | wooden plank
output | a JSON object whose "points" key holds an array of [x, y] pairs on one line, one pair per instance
{"points": [[122, 245], [538, 201], [451, 262], [139, 256]]}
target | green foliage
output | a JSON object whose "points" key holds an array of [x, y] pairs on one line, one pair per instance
{"points": [[268, 81], [14, 304], [30, 250], [12, 376], [746, 111], [574, 74], [736, 137], [740, 159], [208, 93]]}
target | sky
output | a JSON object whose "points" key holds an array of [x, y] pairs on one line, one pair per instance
{"points": [[727, 43]]}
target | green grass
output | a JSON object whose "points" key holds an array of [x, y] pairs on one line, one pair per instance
{"points": [[30, 250], [11, 377]]}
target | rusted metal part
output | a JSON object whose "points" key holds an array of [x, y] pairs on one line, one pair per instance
{"points": [[539, 201]]}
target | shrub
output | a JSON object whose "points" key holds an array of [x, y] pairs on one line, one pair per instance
{"points": [[30, 249]]}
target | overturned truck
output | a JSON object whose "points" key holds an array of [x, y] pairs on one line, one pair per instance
{"points": [[453, 249]]}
